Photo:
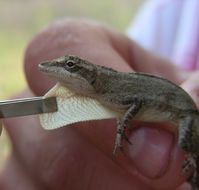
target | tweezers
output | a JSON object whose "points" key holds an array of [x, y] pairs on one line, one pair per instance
{"points": [[27, 106]]}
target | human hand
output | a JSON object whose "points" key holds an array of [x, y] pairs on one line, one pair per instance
{"points": [[191, 86], [80, 157]]}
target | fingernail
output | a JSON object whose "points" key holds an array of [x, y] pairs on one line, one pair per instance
{"points": [[151, 150]]}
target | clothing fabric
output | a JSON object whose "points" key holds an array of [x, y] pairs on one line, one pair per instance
{"points": [[171, 29]]}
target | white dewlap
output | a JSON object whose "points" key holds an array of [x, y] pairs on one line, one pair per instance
{"points": [[73, 108]]}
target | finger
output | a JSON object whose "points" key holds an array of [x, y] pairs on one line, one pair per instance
{"points": [[92, 42], [97, 43], [14, 177], [191, 86], [154, 155]]}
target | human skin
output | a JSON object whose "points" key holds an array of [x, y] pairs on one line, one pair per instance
{"points": [[80, 156]]}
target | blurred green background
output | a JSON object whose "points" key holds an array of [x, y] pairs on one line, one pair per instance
{"points": [[22, 19]]}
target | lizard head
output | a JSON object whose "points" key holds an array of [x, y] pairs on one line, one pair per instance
{"points": [[72, 72]]}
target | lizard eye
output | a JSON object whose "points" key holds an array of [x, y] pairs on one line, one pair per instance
{"points": [[70, 63]]}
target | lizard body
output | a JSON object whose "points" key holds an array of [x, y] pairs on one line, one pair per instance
{"points": [[136, 96]]}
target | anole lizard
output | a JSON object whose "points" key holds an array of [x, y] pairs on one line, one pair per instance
{"points": [[137, 96]]}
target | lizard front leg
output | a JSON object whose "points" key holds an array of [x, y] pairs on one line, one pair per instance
{"points": [[123, 123]]}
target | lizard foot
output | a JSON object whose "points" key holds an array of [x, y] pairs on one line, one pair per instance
{"points": [[189, 162], [120, 135], [123, 122]]}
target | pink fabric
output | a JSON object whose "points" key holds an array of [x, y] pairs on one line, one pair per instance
{"points": [[171, 29]]}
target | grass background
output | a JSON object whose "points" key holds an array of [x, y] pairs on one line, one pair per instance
{"points": [[21, 20]]}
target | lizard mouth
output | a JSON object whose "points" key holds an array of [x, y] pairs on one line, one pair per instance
{"points": [[51, 69], [45, 66]]}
